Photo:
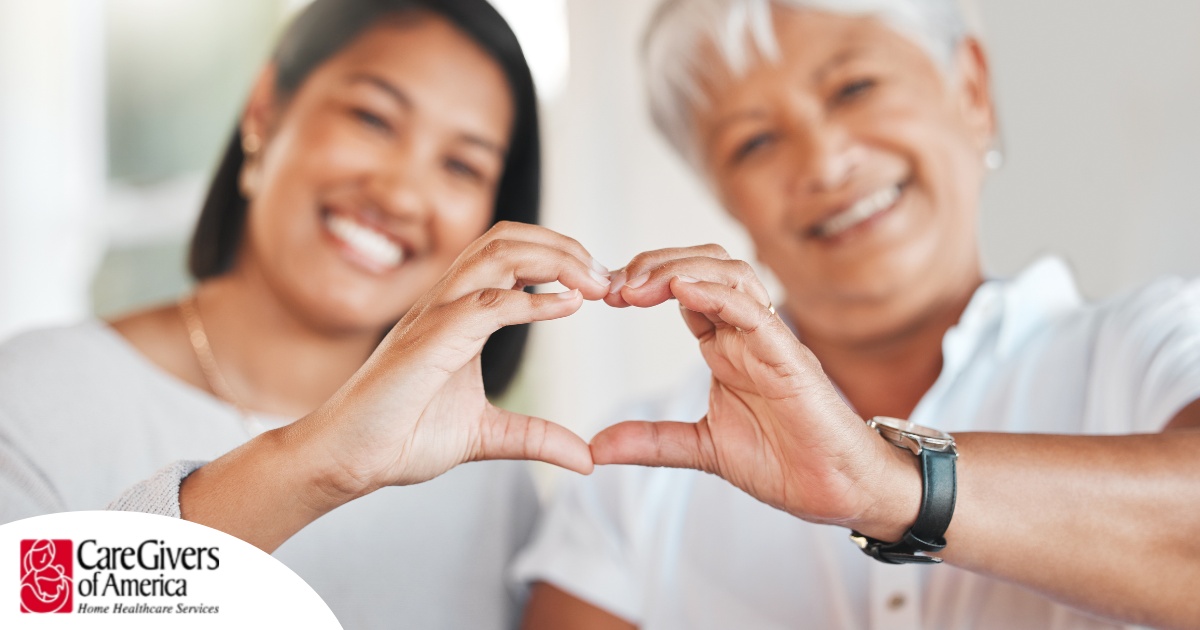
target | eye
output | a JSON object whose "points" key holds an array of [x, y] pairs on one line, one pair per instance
{"points": [[853, 90], [371, 120], [460, 168], [752, 145]]}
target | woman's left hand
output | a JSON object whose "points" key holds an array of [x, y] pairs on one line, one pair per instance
{"points": [[417, 408], [775, 427]]}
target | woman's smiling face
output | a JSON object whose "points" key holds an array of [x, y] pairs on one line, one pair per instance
{"points": [[856, 165], [376, 174]]}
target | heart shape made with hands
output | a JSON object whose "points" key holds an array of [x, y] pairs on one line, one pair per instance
{"points": [[417, 408], [724, 305], [776, 426]]}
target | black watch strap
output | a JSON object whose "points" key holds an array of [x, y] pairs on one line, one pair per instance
{"points": [[938, 495]]}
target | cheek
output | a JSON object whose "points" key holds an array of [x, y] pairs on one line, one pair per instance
{"points": [[458, 222], [942, 150], [955, 177], [755, 196], [315, 148]]}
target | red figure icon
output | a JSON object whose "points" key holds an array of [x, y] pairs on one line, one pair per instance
{"points": [[46, 576]]}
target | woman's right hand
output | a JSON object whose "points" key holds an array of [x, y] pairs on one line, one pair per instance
{"points": [[417, 408], [776, 426]]}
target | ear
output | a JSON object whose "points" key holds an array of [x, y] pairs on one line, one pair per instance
{"points": [[258, 120], [974, 93]]}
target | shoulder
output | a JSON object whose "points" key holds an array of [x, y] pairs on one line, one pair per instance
{"points": [[1125, 331], [1168, 304], [53, 349], [51, 380], [1043, 305], [1142, 349], [51, 373], [1153, 334]]}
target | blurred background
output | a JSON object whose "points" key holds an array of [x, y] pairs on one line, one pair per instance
{"points": [[112, 113]]}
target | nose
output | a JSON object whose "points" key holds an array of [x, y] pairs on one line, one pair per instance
{"points": [[826, 157], [400, 187]]}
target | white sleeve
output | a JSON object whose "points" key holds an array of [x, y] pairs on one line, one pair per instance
{"points": [[159, 494], [1151, 343], [584, 544], [604, 536], [25, 490]]}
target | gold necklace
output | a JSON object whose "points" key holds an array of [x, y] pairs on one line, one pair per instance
{"points": [[208, 362]]}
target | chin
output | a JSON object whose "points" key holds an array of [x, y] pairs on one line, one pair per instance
{"points": [[349, 314]]}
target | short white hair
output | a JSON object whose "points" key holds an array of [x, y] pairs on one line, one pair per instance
{"points": [[737, 29]]}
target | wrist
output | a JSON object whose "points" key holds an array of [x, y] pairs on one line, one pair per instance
{"points": [[320, 479], [895, 492], [263, 491]]}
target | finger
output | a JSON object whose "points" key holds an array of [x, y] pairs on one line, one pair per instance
{"points": [[508, 264], [508, 435], [447, 336], [722, 303], [670, 444], [699, 324], [514, 231], [646, 262], [479, 314], [767, 337], [616, 283], [654, 287]]}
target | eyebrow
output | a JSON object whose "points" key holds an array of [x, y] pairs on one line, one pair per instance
{"points": [[381, 83], [752, 114], [407, 103], [839, 59], [819, 75]]}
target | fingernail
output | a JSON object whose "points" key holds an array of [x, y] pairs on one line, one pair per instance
{"points": [[600, 269], [568, 295], [600, 280], [618, 281], [638, 281], [687, 279]]}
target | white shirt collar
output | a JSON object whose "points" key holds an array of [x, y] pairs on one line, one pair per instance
{"points": [[1014, 309], [1010, 309]]}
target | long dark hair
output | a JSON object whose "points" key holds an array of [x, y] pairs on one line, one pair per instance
{"points": [[319, 32]]}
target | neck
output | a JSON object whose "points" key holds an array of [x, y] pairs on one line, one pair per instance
{"points": [[889, 374], [274, 361]]}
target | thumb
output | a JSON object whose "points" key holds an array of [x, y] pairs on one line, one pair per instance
{"points": [[508, 435], [670, 444]]}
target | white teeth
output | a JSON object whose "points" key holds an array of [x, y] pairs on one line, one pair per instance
{"points": [[862, 210], [366, 241]]}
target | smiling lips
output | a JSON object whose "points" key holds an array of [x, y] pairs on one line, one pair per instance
{"points": [[863, 209], [378, 249], [370, 244]]}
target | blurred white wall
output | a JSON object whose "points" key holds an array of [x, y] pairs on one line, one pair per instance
{"points": [[52, 159], [1098, 103]]}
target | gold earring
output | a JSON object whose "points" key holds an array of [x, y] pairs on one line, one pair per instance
{"points": [[251, 143]]}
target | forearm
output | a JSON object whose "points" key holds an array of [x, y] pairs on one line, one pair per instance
{"points": [[1106, 524], [267, 489]]}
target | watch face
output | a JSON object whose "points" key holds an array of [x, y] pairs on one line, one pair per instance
{"points": [[905, 426]]}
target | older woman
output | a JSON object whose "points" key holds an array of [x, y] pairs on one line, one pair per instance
{"points": [[851, 139]]}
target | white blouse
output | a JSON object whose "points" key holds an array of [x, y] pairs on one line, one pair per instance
{"points": [[677, 549]]}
